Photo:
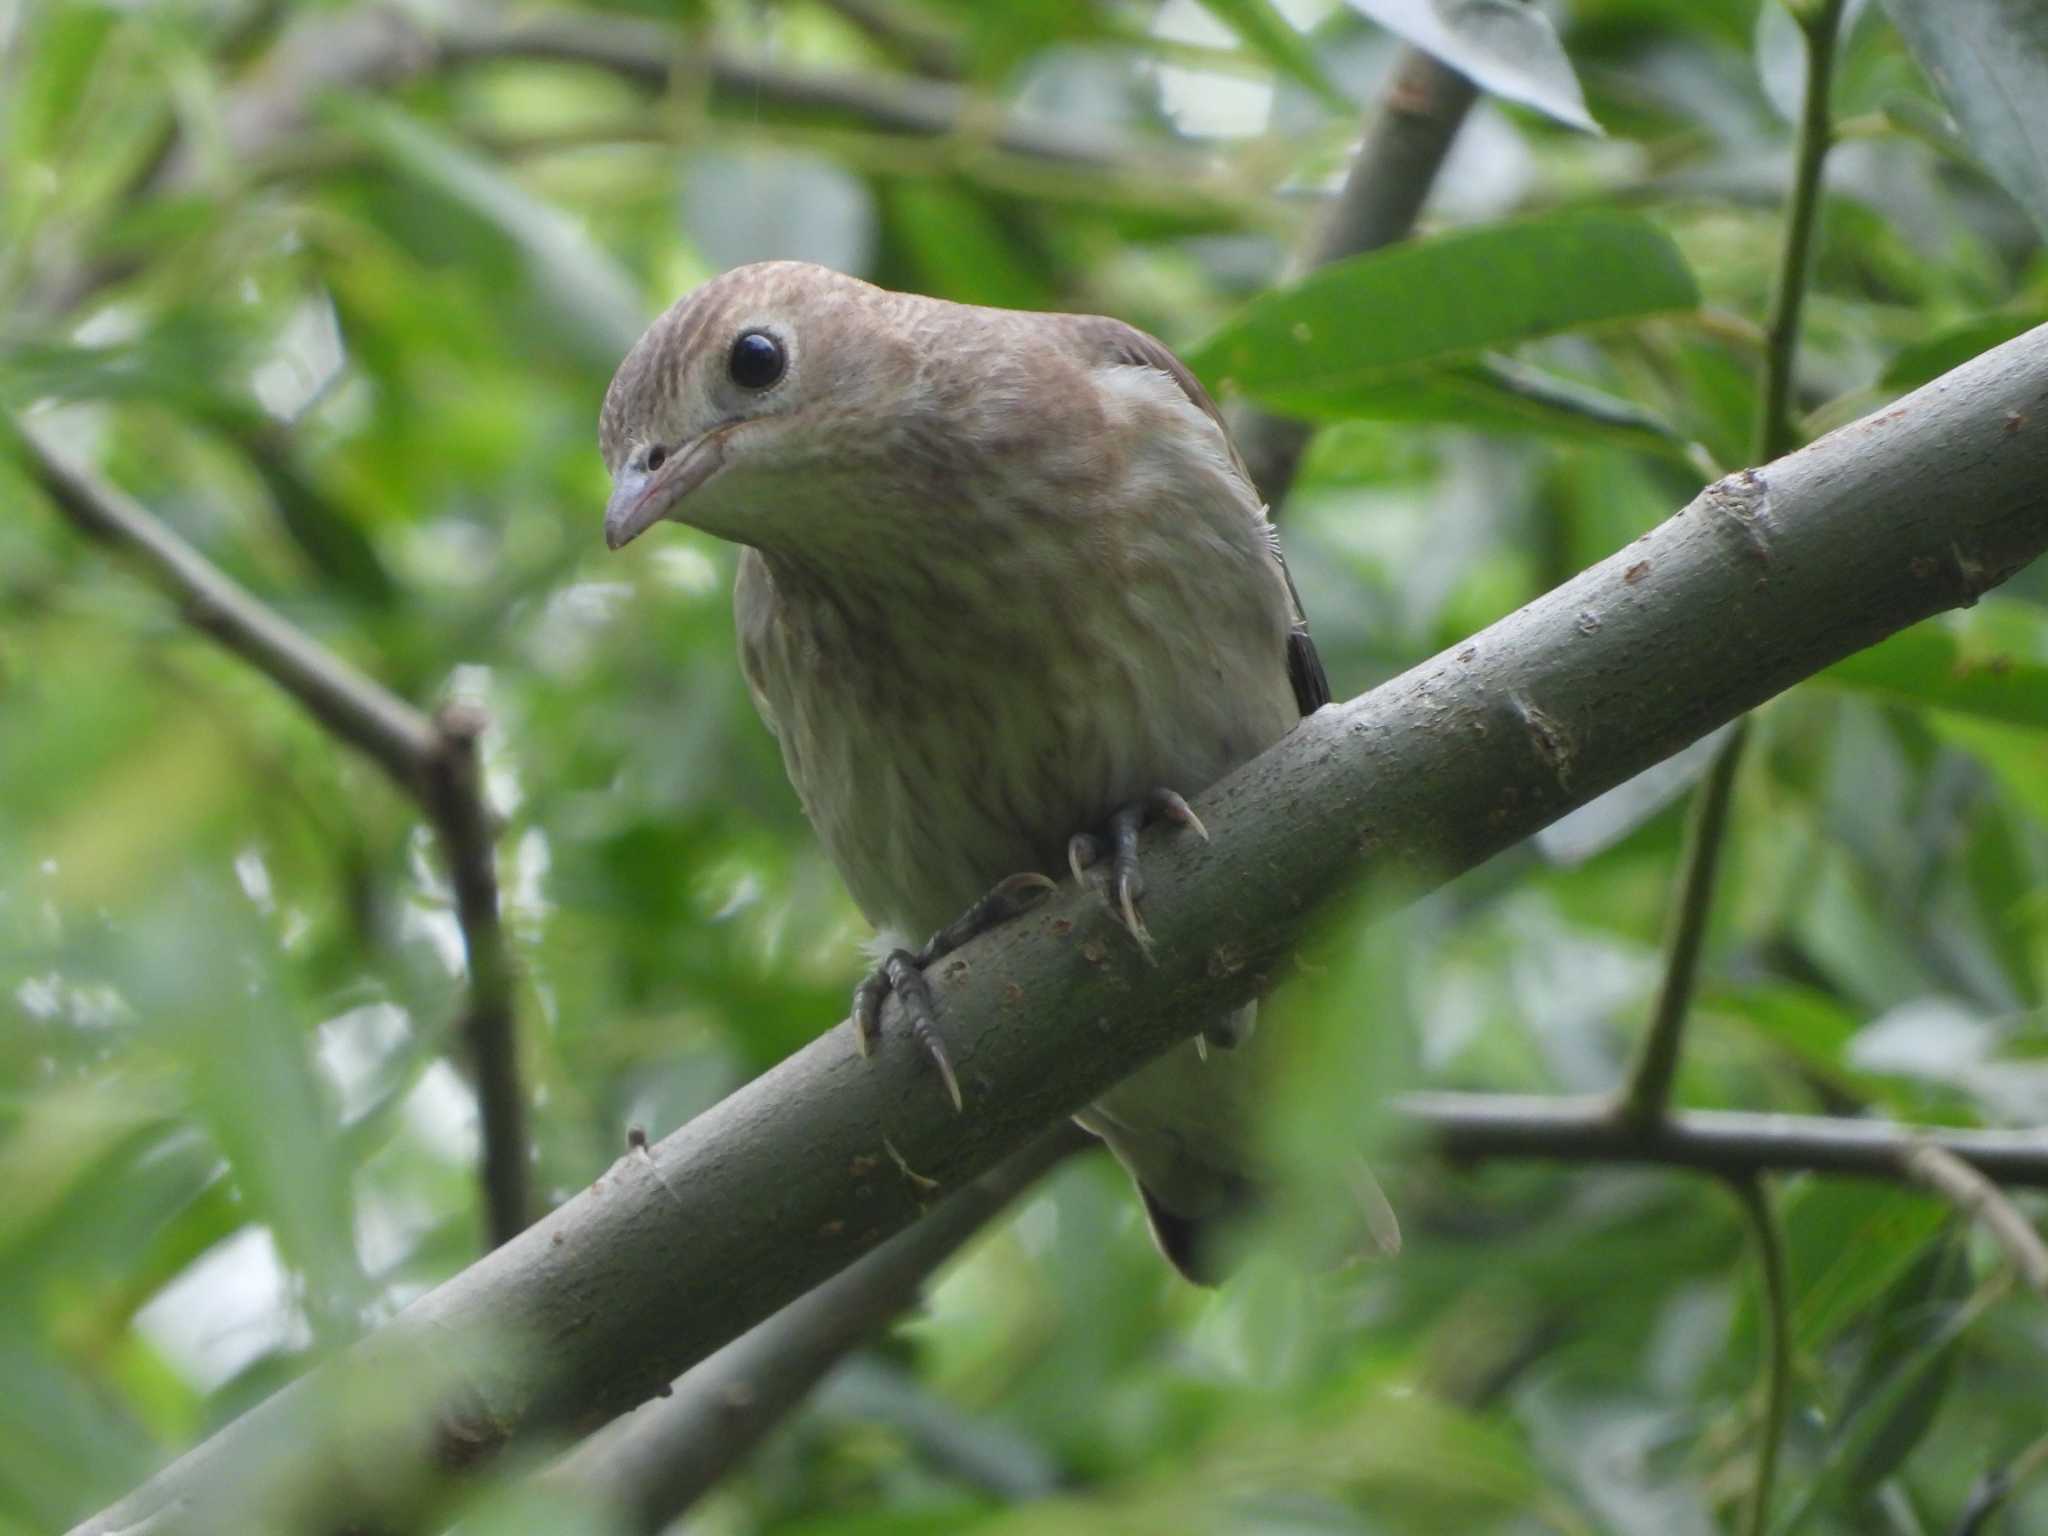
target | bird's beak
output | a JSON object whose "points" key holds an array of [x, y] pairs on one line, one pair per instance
{"points": [[641, 499]]}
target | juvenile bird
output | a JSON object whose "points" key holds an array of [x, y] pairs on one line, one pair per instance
{"points": [[1006, 594]]}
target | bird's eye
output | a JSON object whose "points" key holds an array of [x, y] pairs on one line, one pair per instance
{"points": [[656, 457], [757, 360]]}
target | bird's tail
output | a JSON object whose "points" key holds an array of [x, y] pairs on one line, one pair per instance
{"points": [[1186, 1130]]}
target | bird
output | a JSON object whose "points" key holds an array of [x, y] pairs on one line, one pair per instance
{"points": [[1005, 596]]}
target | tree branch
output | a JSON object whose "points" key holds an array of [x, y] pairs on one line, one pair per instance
{"points": [[1425, 103], [361, 712], [1765, 578], [655, 1463], [1483, 1127], [433, 761]]}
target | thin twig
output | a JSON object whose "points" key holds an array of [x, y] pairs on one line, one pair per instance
{"points": [[1478, 1127], [1755, 1198], [457, 805], [362, 712], [1649, 1085], [1970, 1192], [1424, 104], [1648, 1089], [1775, 433], [649, 51], [432, 761]]}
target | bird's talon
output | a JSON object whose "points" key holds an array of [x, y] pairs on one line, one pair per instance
{"points": [[1083, 852], [902, 972], [867, 1010], [1127, 879], [1169, 806], [1128, 892], [937, 1053]]}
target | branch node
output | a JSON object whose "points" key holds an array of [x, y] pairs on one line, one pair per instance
{"points": [[467, 1433], [1548, 736], [1743, 501], [1972, 577]]}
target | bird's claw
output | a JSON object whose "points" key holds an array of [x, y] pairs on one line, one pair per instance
{"points": [[1127, 880], [902, 972]]}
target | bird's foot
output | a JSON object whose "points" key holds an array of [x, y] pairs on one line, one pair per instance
{"points": [[902, 972], [1126, 885]]}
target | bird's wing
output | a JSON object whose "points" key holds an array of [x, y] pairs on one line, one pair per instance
{"points": [[1105, 340]]}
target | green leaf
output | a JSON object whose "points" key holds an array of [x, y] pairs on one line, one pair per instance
{"points": [[567, 266], [69, 41], [1909, 112], [957, 245], [1357, 324], [1915, 364], [1505, 47], [1989, 61], [1990, 661], [2017, 759], [1906, 1371], [1267, 33], [322, 528], [1498, 394], [197, 359], [1846, 1244], [1914, 1312]]}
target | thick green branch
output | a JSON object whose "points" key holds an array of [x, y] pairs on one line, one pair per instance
{"points": [[1765, 578]]}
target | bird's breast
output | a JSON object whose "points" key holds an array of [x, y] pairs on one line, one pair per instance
{"points": [[957, 716]]}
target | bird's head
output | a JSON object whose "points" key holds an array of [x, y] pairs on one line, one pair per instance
{"points": [[746, 407]]}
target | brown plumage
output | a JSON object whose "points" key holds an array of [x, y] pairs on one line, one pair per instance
{"points": [[1003, 575]]}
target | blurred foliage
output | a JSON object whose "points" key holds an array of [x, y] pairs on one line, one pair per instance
{"points": [[336, 290]]}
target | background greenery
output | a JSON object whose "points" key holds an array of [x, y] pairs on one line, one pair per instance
{"points": [[345, 326]]}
